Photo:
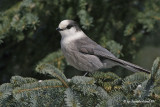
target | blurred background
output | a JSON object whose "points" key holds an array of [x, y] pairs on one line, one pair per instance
{"points": [[130, 29]]}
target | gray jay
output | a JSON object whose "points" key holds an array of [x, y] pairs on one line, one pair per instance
{"points": [[86, 55]]}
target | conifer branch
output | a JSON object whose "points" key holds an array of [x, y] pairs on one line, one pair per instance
{"points": [[52, 71]]}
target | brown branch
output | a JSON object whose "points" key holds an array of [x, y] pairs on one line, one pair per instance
{"points": [[37, 88], [156, 17], [61, 79]]}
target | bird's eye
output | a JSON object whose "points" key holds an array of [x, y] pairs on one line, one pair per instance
{"points": [[69, 26]]}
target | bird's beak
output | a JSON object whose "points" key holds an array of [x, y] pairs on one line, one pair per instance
{"points": [[58, 29]]}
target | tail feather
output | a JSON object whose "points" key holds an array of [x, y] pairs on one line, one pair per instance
{"points": [[113, 61], [132, 67]]}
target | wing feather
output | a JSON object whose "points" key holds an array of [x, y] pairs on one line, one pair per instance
{"points": [[87, 46]]}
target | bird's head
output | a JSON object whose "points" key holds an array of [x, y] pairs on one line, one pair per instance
{"points": [[68, 28]]}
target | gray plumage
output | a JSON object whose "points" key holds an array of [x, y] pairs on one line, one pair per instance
{"points": [[86, 55]]}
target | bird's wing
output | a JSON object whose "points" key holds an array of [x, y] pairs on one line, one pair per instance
{"points": [[87, 46]]}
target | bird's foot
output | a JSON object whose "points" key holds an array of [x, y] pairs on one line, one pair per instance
{"points": [[85, 74]]}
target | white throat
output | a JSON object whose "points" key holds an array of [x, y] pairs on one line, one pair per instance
{"points": [[70, 36]]}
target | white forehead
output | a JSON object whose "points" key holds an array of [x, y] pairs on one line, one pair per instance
{"points": [[64, 23]]}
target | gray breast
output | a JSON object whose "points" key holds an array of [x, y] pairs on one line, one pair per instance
{"points": [[82, 62]]}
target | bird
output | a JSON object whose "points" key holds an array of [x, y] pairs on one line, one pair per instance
{"points": [[84, 54]]}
